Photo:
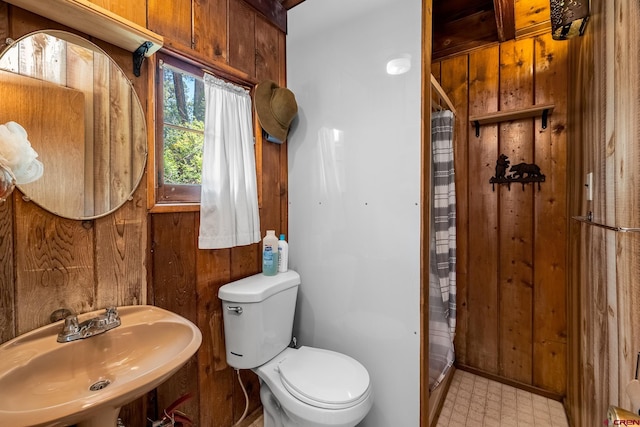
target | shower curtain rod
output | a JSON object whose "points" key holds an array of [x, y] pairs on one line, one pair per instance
{"points": [[441, 94]]}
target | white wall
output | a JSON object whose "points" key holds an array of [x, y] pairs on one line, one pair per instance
{"points": [[354, 191]]}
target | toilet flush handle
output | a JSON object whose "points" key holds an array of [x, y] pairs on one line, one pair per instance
{"points": [[237, 310]]}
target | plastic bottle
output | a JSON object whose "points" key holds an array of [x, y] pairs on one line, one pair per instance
{"points": [[270, 254], [283, 255]]}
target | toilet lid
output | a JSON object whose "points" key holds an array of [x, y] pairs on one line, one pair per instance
{"points": [[324, 378]]}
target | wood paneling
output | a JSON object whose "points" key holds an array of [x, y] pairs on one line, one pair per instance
{"points": [[54, 265], [174, 288], [255, 47], [214, 374], [550, 221], [64, 263], [511, 284], [172, 19], [91, 264], [242, 37], [273, 11], [210, 25], [463, 25], [186, 281], [134, 11], [516, 241], [532, 17], [268, 51], [121, 241], [604, 265], [7, 290], [476, 30], [288, 4], [505, 19], [482, 288]]}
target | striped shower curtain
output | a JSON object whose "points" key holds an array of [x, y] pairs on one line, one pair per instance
{"points": [[442, 271]]}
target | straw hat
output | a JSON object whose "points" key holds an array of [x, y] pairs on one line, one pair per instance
{"points": [[276, 107]]}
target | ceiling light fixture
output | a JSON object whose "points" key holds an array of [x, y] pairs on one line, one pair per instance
{"points": [[399, 65]]}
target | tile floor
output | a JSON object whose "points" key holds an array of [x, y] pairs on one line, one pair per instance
{"points": [[474, 401]]}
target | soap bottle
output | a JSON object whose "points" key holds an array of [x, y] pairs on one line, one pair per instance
{"points": [[283, 255], [270, 254]]}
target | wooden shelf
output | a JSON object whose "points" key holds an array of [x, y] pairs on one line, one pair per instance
{"points": [[504, 116], [96, 21]]}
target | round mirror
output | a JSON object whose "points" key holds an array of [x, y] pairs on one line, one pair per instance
{"points": [[82, 117]]}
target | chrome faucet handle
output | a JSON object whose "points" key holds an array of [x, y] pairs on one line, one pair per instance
{"points": [[73, 330], [71, 325], [111, 313], [112, 318]]}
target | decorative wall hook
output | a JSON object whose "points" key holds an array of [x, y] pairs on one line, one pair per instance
{"points": [[523, 173], [138, 57]]}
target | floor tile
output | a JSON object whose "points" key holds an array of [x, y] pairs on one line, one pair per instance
{"points": [[475, 401]]}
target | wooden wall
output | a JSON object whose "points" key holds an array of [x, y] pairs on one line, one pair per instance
{"points": [[511, 266], [185, 279], [462, 31], [48, 262], [604, 101], [132, 256]]}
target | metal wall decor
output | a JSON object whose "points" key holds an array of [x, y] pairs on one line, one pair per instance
{"points": [[568, 18], [523, 173], [138, 57]]}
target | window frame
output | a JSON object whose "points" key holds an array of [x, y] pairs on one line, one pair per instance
{"points": [[196, 66], [168, 194]]}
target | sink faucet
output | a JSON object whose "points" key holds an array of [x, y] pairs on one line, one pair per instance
{"points": [[72, 330]]}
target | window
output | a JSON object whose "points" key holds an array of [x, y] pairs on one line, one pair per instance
{"points": [[180, 110], [179, 135]]}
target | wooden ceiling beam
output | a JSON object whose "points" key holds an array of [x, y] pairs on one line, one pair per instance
{"points": [[288, 4], [273, 10], [505, 19], [467, 32]]}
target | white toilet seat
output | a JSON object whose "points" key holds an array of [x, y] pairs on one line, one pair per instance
{"points": [[324, 378], [305, 405]]}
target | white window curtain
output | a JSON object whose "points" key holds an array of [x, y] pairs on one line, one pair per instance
{"points": [[229, 197]]}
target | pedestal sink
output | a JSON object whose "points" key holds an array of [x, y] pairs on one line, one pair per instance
{"points": [[85, 382]]}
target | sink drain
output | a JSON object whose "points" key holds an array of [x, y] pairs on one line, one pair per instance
{"points": [[99, 385]]}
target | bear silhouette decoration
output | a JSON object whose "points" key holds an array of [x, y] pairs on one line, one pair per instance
{"points": [[522, 169]]}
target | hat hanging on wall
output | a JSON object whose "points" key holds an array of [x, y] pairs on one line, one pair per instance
{"points": [[276, 108]]}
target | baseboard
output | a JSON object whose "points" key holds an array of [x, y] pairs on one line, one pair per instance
{"points": [[438, 396], [526, 387]]}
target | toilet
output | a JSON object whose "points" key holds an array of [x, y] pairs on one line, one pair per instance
{"points": [[305, 386]]}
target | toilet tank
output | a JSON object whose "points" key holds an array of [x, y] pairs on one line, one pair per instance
{"points": [[258, 316]]}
